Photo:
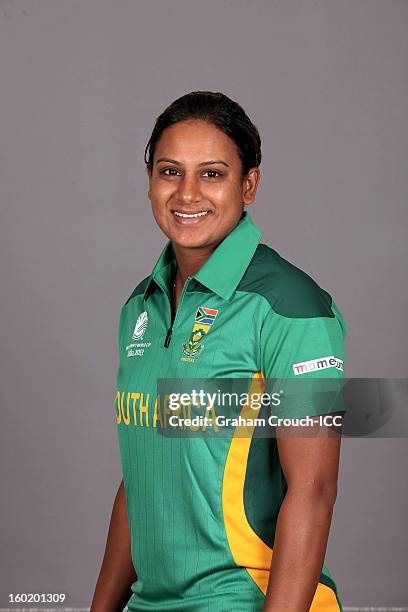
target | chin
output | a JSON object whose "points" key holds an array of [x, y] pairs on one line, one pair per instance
{"points": [[190, 242]]}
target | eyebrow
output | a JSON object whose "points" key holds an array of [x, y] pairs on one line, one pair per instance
{"points": [[206, 163]]}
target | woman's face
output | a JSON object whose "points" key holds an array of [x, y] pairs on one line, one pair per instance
{"points": [[197, 169]]}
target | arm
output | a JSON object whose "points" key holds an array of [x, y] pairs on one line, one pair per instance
{"points": [[304, 343], [112, 591], [310, 466]]}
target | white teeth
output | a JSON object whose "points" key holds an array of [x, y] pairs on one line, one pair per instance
{"points": [[191, 216]]}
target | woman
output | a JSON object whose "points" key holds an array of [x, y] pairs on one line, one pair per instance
{"points": [[227, 523]]}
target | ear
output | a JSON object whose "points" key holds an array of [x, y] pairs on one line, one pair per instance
{"points": [[149, 193], [250, 185]]}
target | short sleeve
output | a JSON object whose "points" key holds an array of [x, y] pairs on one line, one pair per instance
{"points": [[304, 358]]}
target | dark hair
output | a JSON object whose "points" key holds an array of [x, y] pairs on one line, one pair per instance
{"points": [[216, 108]]}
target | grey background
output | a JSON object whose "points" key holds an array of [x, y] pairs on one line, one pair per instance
{"points": [[81, 84]]}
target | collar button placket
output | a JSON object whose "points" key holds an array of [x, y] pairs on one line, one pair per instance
{"points": [[174, 312]]}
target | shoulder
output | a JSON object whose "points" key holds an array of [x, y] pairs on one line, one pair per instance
{"points": [[139, 289], [290, 291]]}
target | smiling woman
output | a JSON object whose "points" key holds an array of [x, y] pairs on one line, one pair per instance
{"points": [[231, 522], [198, 184]]}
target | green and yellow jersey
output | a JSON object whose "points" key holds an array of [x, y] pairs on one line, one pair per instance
{"points": [[203, 509]]}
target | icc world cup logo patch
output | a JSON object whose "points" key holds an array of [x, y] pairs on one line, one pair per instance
{"points": [[204, 318]]}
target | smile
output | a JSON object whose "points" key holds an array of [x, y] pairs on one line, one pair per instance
{"points": [[190, 215]]}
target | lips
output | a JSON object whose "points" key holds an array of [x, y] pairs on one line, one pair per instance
{"points": [[190, 213], [190, 217]]}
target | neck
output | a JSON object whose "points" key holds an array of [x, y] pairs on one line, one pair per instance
{"points": [[189, 261]]}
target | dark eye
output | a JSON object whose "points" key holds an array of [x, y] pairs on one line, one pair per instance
{"points": [[171, 170], [214, 173]]}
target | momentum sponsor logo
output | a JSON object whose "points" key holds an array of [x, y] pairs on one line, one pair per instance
{"points": [[318, 364]]}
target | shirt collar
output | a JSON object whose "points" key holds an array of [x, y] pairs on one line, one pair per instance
{"points": [[225, 267]]}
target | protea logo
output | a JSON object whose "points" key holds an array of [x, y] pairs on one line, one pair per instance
{"points": [[203, 321], [140, 326]]}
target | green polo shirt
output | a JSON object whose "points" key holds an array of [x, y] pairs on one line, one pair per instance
{"points": [[203, 509]]}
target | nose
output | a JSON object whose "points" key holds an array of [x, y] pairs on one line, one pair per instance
{"points": [[189, 189]]}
